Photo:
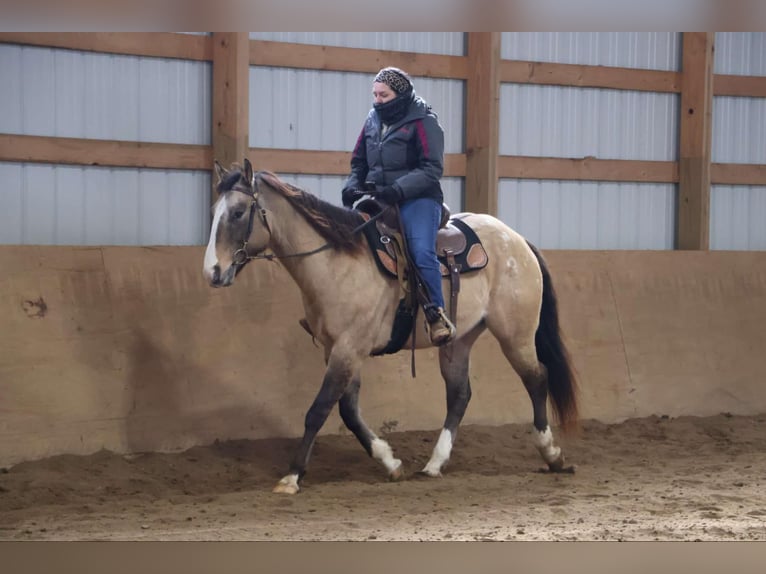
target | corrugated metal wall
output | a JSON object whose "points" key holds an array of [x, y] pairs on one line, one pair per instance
{"points": [[553, 121], [738, 213], [50, 92], [67, 93], [325, 110]]}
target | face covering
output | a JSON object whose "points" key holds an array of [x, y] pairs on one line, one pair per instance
{"points": [[394, 110]]}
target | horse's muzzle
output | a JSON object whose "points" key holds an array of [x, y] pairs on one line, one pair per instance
{"points": [[218, 279]]}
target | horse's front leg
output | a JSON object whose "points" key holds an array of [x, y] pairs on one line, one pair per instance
{"points": [[336, 380]]}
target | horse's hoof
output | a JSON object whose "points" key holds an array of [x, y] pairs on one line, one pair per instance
{"points": [[288, 485], [558, 466], [430, 473], [286, 489], [396, 474]]}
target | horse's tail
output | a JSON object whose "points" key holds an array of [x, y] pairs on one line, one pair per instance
{"points": [[551, 352]]}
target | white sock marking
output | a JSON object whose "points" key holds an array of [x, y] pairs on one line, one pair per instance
{"points": [[381, 451], [544, 442], [441, 453], [290, 480]]}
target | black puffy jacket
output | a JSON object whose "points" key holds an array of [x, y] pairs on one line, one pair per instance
{"points": [[410, 156]]}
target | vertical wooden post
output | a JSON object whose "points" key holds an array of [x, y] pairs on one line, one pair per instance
{"points": [[693, 218], [482, 122], [231, 78]]}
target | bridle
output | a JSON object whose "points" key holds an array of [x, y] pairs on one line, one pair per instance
{"points": [[241, 256]]}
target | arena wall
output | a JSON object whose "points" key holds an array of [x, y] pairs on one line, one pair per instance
{"points": [[128, 349]]}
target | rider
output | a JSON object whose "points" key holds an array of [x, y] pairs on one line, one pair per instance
{"points": [[401, 150]]}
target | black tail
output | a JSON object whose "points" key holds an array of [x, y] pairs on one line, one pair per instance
{"points": [[551, 352]]}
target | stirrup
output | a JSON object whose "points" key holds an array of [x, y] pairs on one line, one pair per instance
{"points": [[440, 328]]}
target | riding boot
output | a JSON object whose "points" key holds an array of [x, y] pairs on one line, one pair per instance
{"points": [[440, 328]]}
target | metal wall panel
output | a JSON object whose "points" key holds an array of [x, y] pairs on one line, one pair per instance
{"points": [[740, 53], [738, 213], [738, 217], [644, 50], [589, 215], [67, 93], [73, 205], [447, 43], [570, 122], [324, 110], [554, 121], [307, 109]]}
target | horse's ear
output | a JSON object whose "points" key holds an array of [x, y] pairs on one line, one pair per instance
{"points": [[248, 171], [220, 171]]}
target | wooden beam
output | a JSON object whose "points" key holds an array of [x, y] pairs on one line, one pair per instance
{"points": [[738, 174], [482, 122], [231, 92], [75, 151], [155, 44], [582, 76], [306, 56], [693, 217], [744, 86], [327, 162], [587, 169]]}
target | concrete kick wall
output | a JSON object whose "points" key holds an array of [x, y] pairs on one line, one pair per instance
{"points": [[128, 349]]}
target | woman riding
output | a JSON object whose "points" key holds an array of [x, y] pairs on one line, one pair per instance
{"points": [[401, 150]]}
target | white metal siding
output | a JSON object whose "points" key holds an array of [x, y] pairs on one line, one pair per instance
{"points": [[446, 43], [738, 213], [307, 109], [325, 110], [73, 205], [570, 122], [589, 215], [740, 53], [645, 50], [553, 121], [67, 93], [738, 217]]}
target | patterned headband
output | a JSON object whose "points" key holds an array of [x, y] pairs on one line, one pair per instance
{"points": [[395, 79]]}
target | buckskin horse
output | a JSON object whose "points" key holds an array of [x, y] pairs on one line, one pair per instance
{"points": [[350, 306]]}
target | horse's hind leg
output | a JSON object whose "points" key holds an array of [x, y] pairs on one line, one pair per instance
{"points": [[523, 359], [453, 362], [376, 447]]}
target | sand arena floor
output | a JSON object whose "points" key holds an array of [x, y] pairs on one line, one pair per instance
{"points": [[656, 478]]}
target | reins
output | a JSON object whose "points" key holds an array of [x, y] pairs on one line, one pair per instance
{"points": [[241, 256]]}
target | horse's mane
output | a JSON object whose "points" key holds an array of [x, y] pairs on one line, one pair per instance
{"points": [[335, 224]]}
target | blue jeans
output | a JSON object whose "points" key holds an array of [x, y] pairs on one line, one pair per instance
{"points": [[420, 219]]}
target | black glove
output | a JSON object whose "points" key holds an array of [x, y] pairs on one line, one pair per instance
{"points": [[349, 195], [389, 194]]}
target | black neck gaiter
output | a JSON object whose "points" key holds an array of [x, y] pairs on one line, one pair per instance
{"points": [[394, 110]]}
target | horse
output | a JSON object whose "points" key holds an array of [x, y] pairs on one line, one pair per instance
{"points": [[350, 305]]}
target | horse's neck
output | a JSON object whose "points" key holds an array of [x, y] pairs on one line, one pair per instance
{"points": [[291, 234]]}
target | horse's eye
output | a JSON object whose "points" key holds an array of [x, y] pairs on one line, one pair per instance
{"points": [[238, 214]]}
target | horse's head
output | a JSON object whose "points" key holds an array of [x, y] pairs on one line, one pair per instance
{"points": [[238, 229]]}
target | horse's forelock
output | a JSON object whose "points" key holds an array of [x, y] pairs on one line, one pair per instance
{"points": [[228, 182]]}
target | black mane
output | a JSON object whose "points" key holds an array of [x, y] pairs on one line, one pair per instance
{"points": [[337, 225]]}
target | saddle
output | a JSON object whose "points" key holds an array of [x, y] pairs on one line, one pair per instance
{"points": [[458, 250], [457, 244]]}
